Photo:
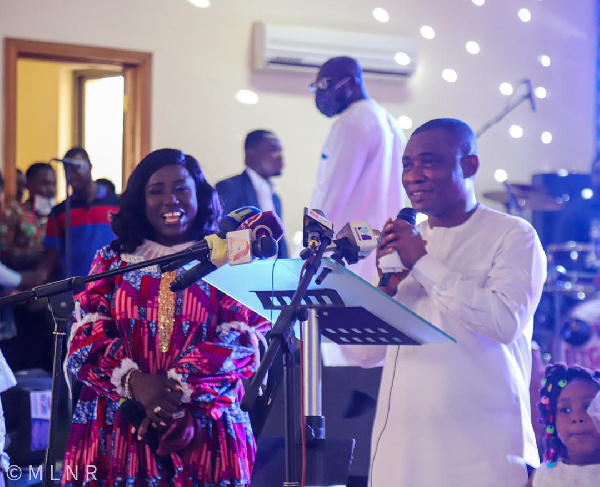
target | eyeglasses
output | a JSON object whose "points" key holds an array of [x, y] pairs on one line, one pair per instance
{"points": [[323, 84]]}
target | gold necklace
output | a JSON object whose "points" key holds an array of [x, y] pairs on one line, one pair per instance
{"points": [[166, 311]]}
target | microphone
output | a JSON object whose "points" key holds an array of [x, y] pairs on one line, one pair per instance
{"points": [[203, 249], [238, 248], [72, 163], [315, 226], [355, 241], [530, 94], [392, 261], [360, 236], [133, 412], [264, 223]]}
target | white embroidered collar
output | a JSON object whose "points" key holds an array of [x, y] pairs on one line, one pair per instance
{"points": [[152, 250]]}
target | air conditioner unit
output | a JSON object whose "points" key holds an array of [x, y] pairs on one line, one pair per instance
{"points": [[307, 48]]}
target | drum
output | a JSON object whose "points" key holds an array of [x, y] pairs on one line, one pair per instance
{"points": [[580, 334], [572, 267]]}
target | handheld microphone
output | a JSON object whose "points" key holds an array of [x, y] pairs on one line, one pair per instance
{"points": [[72, 163], [314, 227], [133, 412], [392, 261], [530, 94]]}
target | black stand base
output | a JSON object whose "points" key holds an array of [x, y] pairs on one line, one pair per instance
{"points": [[327, 462]]}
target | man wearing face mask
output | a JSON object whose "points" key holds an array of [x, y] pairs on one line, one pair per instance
{"points": [[26, 330], [359, 178], [23, 225], [360, 175]]}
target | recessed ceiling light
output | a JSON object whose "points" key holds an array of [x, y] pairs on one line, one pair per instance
{"points": [[405, 122], [544, 60], [247, 97], [546, 137], [200, 3], [381, 14], [540, 92], [506, 89], [402, 58], [427, 32], [515, 131], [472, 47], [449, 75], [524, 14]]}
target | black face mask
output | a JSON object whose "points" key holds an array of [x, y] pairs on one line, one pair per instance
{"points": [[332, 101]]}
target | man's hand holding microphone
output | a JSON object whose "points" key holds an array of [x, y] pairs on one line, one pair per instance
{"points": [[400, 248]]}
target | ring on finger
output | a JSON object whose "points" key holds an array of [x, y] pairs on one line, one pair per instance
{"points": [[157, 409]]}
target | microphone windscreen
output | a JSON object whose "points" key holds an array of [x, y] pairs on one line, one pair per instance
{"points": [[265, 223], [233, 219], [264, 247], [409, 215]]}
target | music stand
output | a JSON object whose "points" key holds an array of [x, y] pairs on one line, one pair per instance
{"points": [[347, 310]]}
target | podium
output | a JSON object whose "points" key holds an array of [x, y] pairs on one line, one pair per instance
{"points": [[344, 309]]}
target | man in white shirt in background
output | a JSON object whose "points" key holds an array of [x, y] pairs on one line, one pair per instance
{"points": [[360, 174], [263, 157], [359, 178]]}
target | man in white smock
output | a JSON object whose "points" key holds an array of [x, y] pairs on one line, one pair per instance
{"points": [[458, 415], [360, 174]]}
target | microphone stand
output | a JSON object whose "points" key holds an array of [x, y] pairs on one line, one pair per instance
{"points": [[513, 202], [59, 293], [509, 108], [282, 337]]}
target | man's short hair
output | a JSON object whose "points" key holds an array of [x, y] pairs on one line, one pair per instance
{"points": [[254, 137], [35, 168], [461, 130], [77, 151]]}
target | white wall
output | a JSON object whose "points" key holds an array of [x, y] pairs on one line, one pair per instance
{"points": [[201, 59]]}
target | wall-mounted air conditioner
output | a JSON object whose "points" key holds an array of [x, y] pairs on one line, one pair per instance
{"points": [[307, 48]]}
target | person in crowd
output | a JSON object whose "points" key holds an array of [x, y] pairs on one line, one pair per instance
{"points": [[572, 442], [360, 173], [22, 230], [580, 220], [477, 275], [263, 156], [91, 209], [23, 225], [108, 184], [359, 178], [180, 356]]}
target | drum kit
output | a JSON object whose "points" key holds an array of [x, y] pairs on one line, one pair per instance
{"points": [[567, 324]]}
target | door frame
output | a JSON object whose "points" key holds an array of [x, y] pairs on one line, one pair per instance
{"points": [[137, 70]]}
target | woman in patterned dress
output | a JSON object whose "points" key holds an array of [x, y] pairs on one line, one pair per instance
{"points": [[180, 355]]}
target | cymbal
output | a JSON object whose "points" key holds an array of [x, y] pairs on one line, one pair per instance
{"points": [[529, 197]]}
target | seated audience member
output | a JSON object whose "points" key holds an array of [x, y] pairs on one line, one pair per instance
{"points": [[571, 440], [22, 230], [263, 157], [91, 209], [181, 356]]}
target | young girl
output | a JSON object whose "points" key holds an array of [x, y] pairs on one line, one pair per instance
{"points": [[571, 441]]}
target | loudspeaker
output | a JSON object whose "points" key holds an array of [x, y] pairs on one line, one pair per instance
{"points": [[567, 186]]}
